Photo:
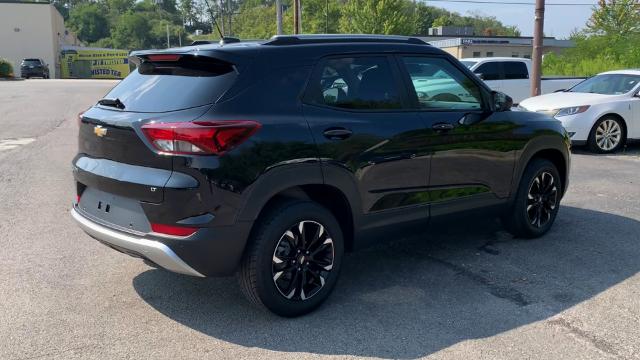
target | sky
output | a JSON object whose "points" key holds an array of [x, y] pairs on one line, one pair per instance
{"points": [[560, 21]]}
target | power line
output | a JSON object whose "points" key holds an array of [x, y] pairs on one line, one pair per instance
{"points": [[511, 3]]}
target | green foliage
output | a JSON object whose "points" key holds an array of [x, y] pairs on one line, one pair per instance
{"points": [[482, 25], [609, 42], [88, 22], [616, 17], [138, 24], [378, 17], [6, 68], [131, 31]]}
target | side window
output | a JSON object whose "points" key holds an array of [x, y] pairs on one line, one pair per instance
{"points": [[440, 85], [356, 83], [515, 70], [489, 70]]}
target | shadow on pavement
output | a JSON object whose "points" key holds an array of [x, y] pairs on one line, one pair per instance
{"points": [[632, 149], [414, 297]]}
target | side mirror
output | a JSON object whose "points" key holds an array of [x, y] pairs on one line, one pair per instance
{"points": [[480, 75], [501, 101]]}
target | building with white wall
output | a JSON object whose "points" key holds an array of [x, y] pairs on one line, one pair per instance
{"points": [[492, 46], [33, 30]]}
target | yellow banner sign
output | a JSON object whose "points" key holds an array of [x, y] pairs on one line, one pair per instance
{"points": [[91, 63]]}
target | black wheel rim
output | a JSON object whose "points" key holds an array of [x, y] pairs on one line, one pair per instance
{"points": [[303, 260], [542, 199]]}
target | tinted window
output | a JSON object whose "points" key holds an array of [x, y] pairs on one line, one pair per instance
{"points": [[440, 85], [31, 62], [515, 70], [489, 71], [170, 86], [356, 83]]}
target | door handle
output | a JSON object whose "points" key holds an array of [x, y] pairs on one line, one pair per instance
{"points": [[337, 133], [442, 127]]}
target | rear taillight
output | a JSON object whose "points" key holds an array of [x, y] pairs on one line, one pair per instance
{"points": [[199, 137], [172, 230]]}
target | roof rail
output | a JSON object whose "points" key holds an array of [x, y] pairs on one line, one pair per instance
{"points": [[341, 38]]}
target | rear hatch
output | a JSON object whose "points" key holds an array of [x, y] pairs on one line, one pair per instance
{"points": [[114, 154]]}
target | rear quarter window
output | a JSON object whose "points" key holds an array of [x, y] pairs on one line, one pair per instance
{"points": [[515, 70], [163, 87]]}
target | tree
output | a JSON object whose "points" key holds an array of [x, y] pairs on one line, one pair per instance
{"points": [[119, 6], [443, 20], [88, 22], [615, 17], [131, 31], [379, 17]]}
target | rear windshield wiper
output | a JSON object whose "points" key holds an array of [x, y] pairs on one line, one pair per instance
{"points": [[116, 103]]}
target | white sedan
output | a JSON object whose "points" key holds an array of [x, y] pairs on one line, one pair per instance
{"points": [[602, 112]]}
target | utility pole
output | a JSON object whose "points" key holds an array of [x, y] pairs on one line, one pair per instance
{"points": [[538, 34], [168, 42], [296, 16], [326, 17], [279, 17]]}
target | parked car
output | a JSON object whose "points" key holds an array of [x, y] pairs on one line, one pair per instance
{"points": [[602, 112], [34, 68], [272, 159], [512, 76]]}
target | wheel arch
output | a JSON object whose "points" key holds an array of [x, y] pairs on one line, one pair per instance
{"points": [[614, 115], [332, 198], [303, 182], [552, 148]]}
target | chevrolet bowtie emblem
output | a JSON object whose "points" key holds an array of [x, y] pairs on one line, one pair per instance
{"points": [[99, 131]]}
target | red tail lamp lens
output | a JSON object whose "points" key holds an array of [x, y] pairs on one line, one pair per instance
{"points": [[172, 230], [199, 137], [163, 57]]}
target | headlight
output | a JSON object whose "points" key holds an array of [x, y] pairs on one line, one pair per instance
{"points": [[571, 110]]}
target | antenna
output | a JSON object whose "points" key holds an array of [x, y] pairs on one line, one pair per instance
{"points": [[214, 22]]}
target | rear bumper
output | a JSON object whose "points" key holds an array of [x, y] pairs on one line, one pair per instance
{"points": [[155, 251]]}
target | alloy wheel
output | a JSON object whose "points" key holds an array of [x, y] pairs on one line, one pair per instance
{"points": [[302, 260], [608, 135], [542, 199]]}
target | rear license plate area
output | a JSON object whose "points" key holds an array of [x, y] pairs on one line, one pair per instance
{"points": [[114, 210]]}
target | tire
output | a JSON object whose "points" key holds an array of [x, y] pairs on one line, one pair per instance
{"points": [[272, 261], [607, 135], [525, 220]]}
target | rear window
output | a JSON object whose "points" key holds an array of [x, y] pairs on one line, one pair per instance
{"points": [[31, 61], [489, 71], [515, 70], [174, 85]]}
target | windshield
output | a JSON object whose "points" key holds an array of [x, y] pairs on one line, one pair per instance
{"points": [[469, 64], [608, 84]]}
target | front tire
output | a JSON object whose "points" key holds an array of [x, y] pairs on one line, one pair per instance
{"points": [[293, 259], [607, 135], [537, 201]]}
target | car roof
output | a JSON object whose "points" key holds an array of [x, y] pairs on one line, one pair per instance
{"points": [[291, 48], [622, 72], [498, 58]]}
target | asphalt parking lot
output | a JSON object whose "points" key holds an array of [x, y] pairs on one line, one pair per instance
{"points": [[470, 291]]}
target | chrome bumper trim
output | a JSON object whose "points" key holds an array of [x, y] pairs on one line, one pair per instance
{"points": [[155, 251]]}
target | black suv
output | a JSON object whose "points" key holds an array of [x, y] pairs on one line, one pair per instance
{"points": [[34, 68], [272, 159]]}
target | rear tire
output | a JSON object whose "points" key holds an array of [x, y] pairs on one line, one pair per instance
{"points": [[293, 259], [606, 136], [537, 201]]}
